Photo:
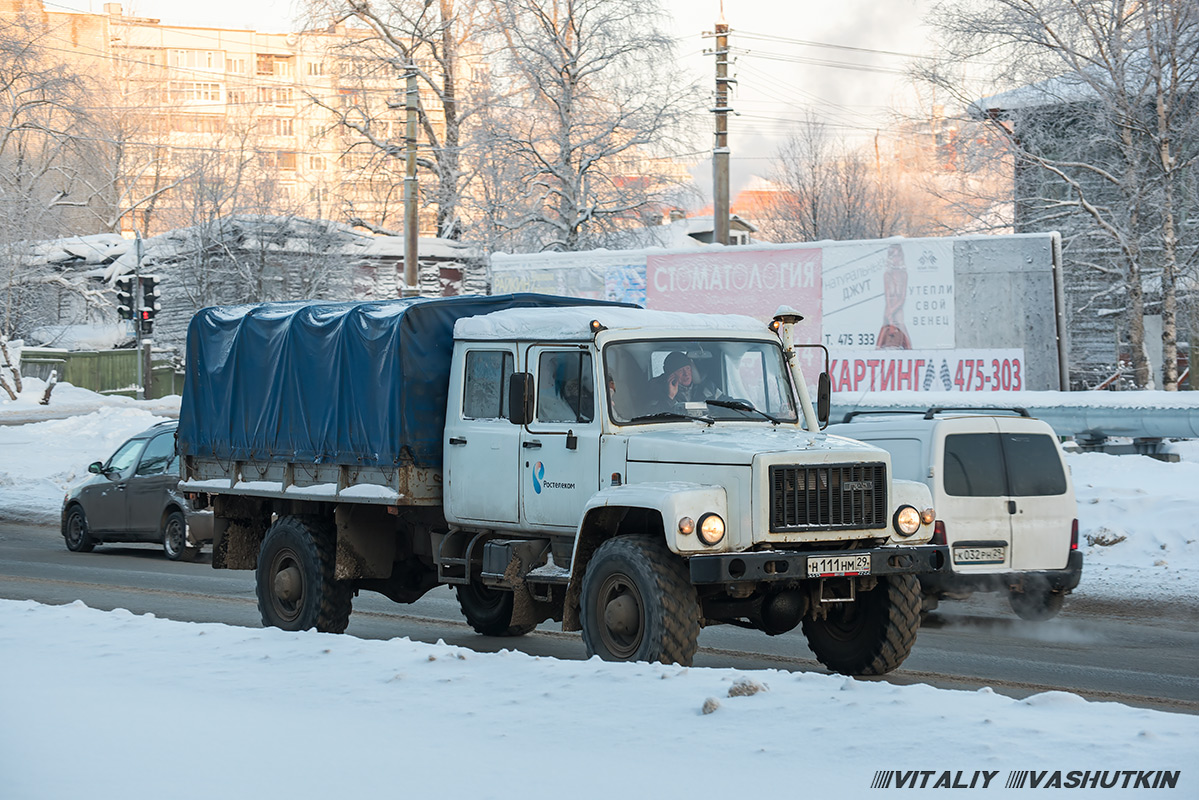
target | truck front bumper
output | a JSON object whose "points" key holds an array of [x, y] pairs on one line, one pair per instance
{"points": [[789, 565]]}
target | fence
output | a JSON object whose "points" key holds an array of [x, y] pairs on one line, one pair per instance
{"points": [[104, 371]]}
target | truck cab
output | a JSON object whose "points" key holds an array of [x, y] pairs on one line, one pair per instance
{"points": [[563, 425]]}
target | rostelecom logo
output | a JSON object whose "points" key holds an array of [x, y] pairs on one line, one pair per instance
{"points": [[538, 474]]}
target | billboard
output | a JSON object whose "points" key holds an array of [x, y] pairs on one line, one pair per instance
{"points": [[963, 313]]}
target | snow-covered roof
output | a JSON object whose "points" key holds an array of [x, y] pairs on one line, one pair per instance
{"points": [[117, 255], [573, 323]]}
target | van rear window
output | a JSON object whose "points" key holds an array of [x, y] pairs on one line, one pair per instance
{"points": [[1002, 464]]}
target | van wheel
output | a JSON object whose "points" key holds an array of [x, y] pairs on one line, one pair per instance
{"points": [[489, 611], [928, 604], [1037, 605], [294, 580], [76, 534], [174, 539], [638, 603], [873, 634]]}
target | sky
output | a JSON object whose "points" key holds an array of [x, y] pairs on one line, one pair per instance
{"points": [[781, 76], [109, 705]]}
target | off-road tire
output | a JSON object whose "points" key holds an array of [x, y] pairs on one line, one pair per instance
{"points": [[1037, 605], [489, 611], [174, 538], [75, 532], [873, 634], [294, 580], [652, 585]]}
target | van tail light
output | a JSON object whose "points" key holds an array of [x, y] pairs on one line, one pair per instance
{"points": [[1074, 535], [939, 532]]}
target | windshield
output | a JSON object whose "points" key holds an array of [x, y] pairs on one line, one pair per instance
{"points": [[707, 379]]}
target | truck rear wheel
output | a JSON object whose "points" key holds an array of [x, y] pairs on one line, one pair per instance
{"points": [[639, 604], [489, 611], [873, 634], [295, 584]]}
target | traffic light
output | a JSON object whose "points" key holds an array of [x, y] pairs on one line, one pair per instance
{"points": [[150, 304], [125, 300]]}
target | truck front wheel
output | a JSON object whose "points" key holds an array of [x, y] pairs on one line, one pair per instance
{"points": [[489, 611], [638, 603], [873, 634], [295, 584]]}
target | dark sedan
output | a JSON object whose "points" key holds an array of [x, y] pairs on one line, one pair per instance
{"points": [[133, 497]]}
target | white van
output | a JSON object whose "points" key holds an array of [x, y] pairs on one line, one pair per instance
{"points": [[1003, 496]]}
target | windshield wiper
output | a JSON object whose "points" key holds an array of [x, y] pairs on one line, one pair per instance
{"points": [[742, 405], [671, 415]]}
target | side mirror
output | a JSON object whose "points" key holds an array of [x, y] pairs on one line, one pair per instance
{"points": [[520, 398], [95, 468], [824, 398]]}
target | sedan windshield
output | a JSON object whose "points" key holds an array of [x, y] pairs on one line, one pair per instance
{"points": [[705, 379]]}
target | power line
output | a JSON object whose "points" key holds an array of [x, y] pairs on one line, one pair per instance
{"points": [[808, 43]]}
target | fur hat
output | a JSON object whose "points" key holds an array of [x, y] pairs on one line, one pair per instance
{"points": [[675, 361]]}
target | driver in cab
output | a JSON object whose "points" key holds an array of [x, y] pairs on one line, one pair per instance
{"points": [[679, 384]]}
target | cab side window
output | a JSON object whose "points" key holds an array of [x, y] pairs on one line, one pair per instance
{"points": [[157, 455], [565, 387], [486, 383]]}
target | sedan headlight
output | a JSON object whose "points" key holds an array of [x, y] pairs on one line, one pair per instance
{"points": [[906, 521], [711, 529]]}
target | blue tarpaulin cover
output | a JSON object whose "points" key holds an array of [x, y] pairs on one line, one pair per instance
{"points": [[332, 383]]}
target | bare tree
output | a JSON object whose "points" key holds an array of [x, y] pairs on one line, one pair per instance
{"points": [[830, 191], [1101, 119], [41, 122], [591, 102], [438, 40]]}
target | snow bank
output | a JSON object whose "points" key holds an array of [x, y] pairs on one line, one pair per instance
{"points": [[1136, 525], [111, 706], [41, 460]]}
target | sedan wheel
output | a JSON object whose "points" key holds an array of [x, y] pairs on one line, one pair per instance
{"points": [[174, 539], [76, 534]]}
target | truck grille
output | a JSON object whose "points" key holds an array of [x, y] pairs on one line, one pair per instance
{"points": [[828, 497]]}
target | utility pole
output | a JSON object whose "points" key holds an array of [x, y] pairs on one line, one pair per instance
{"points": [[411, 279], [720, 152]]}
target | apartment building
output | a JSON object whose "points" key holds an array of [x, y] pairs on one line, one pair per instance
{"points": [[235, 121]]}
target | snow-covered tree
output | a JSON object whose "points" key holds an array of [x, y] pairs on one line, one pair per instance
{"points": [[590, 104], [1100, 114]]}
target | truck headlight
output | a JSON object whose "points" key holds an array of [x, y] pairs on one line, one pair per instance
{"points": [[711, 529], [906, 520]]}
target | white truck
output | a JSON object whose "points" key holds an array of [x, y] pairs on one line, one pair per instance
{"points": [[536, 453]]}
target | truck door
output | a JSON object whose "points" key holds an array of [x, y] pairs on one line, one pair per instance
{"points": [[972, 501], [559, 449], [481, 445], [1041, 500]]}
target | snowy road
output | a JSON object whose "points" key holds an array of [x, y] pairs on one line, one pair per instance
{"points": [[1140, 655]]}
